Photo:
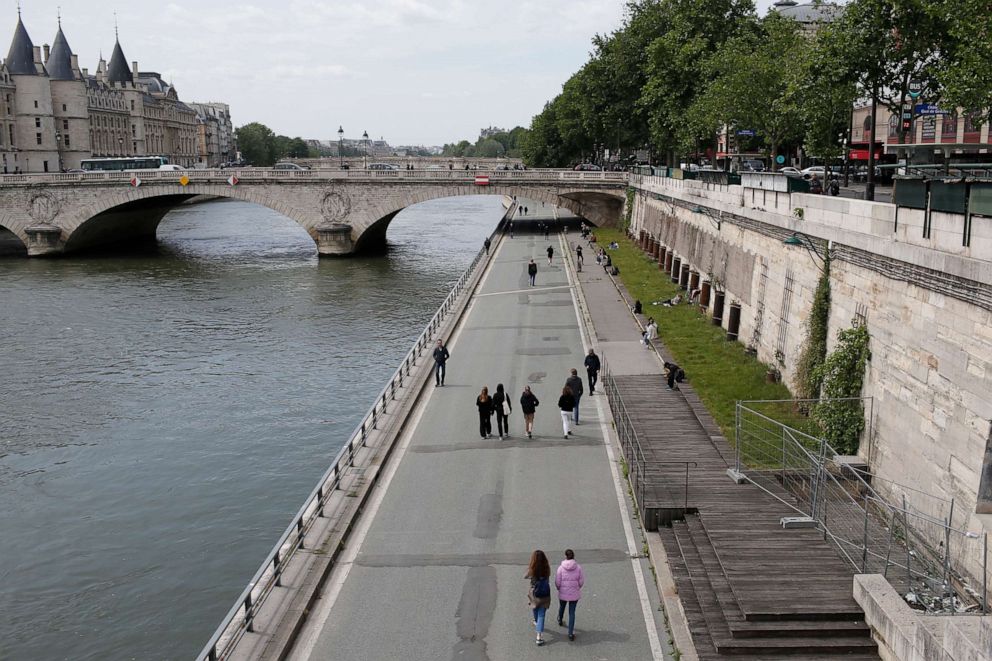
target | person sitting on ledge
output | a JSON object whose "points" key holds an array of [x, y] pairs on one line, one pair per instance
{"points": [[637, 307], [694, 295]]}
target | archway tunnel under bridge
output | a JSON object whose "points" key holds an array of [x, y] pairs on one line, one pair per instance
{"points": [[342, 218]]}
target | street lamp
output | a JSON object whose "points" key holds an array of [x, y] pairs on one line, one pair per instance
{"points": [[340, 143], [58, 146], [365, 148], [804, 241], [120, 146]]}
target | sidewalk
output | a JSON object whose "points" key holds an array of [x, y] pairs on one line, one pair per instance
{"points": [[435, 569]]}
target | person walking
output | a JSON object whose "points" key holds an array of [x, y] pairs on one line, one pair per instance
{"points": [[509, 226], [441, 356], [531, 272], [485, 405], [592, 370], [528, 405], [547, 230], [569, 579], [565, 404], [539, 594], [551, 254], [578, 258], [502, 407], [650, 333], [574, 383], [486, 244]]}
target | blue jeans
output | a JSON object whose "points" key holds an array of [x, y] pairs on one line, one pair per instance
{"points": [[539, 618], [576, 409], [571, 614], [439, 373]]}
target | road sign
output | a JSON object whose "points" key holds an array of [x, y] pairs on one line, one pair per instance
{"points": [[481, 180], [747, 132], [780, 159], [135, 181], [184, 180], [915, 89], [232, 180], [924, 109]]}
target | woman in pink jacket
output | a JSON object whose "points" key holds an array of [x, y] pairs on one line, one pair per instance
{"points": [[569, 580]]}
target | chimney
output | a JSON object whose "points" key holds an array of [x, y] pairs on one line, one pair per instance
{"points": [[74, 60], [134, 68], [37, 55], [86, 71], [48, 51]]}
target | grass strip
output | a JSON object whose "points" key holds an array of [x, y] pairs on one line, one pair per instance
{"points": [[720, 371]]}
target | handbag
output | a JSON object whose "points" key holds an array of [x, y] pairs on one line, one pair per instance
{"points": [[506, 407]]}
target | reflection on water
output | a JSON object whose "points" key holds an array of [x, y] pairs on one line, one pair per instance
{"points": [[164, 415]]}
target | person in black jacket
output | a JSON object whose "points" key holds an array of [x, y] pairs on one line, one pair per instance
{"points": [[592, 370], [566, 403], [441, 356], [485, 404], [531, 272], [574, 384], [528, 404], [675, 375], [502, 408]]}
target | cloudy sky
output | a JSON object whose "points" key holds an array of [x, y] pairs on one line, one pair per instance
{"points": [[411, 71]]}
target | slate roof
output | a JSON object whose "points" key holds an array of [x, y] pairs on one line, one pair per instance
{"points": [[20, 57], [118, 70], [59, 62]]}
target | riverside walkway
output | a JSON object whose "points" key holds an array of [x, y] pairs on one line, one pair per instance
{"points": [[434, 568]]}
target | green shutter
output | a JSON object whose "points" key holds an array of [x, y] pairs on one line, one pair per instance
{"points": [[911, 193], [947, 197], [981, 199]]}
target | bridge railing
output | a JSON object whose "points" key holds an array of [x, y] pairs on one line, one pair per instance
{"points": [[239, 620], [269, 174]]}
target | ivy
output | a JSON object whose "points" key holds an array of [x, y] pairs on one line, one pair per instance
{"points": [[840, 413], [628, 210], [809, 379]]}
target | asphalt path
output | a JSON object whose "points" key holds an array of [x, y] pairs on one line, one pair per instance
{"points": [[436, 565]]}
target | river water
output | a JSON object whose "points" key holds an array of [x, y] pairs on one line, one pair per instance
{"points": [[162, 416]]}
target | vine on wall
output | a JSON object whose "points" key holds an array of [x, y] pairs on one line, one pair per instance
{"points": [[809, 379], [628, 210], [843, 375]]}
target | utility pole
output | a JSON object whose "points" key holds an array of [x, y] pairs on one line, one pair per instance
{"points": [[870, 183]]}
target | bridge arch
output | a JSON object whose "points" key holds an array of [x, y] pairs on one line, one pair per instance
{"points": [[13, 239]]}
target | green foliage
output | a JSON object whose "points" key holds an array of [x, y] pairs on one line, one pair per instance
{"points": [[257, 144], [965, 71], [843, 375], [509, 144], [809, 377], [628, 209]]}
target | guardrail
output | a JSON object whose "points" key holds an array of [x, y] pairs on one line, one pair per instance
{"points": [[239, 620], [268, 174]]}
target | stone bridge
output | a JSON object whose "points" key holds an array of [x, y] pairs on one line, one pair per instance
{"points": [[343, 211]]}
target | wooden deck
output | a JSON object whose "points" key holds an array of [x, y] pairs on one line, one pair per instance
{"points": [[749, 587]]}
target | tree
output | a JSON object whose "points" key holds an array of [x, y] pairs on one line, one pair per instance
{"points": [[827, 98], [298, 148], [257, 144], [965, 71], [489, 148]]}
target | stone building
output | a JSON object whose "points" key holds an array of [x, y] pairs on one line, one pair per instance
{"points": [[54, 114], [215, 134]]}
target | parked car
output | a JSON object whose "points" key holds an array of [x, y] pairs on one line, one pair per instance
{"points": [[790, 171], [587, 167], [382, 166], [818, 170], [752, 165], [171, 166], [296, 167]]}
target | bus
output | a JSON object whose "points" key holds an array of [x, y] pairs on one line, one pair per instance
{"points": [[124, 163]]}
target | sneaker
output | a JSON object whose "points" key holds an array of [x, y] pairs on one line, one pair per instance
{"points": [[561, 622], [571, 636], [539, 641], [529, 435], [566, 435], [501, 438]]}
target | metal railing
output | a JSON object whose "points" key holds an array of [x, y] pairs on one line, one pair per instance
{"points": [[937, 566], [239, 620], [495, 177], [643, 473]]}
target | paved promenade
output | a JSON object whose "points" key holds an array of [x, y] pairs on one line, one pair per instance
{"points": [[435, 567]]}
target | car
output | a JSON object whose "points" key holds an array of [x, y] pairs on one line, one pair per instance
{"points": [[382, 166], [790, 171], [296, 167], [587, 167], [172, 167], [818, 170], [434, 167], [752, 165]]}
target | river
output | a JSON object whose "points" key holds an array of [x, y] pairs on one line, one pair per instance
{"points": [[163, 415]]}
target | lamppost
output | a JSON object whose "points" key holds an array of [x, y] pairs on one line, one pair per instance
{"points": [[120, 146], [340, 146], [58, 147], [365, 145]]}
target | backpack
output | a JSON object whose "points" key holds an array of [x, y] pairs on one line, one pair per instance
{"points": [[542, 589]]}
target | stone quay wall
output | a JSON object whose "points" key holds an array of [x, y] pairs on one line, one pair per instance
{"points": [[927, 303]]}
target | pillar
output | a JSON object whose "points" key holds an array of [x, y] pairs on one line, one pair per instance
{"points": [[43, 240], [334, 239]]}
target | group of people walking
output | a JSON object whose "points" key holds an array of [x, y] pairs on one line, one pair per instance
{"points": [[499, 404], [569, 579]]}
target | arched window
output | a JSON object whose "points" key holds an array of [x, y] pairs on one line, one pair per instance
{"points": [[949, 127], [893, 125]]}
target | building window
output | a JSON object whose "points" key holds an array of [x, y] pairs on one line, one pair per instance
{"points": [[44, 164], [949, 127], [11, 130], [36, 103], [37, 137], [132, 104], [893, 125], [66, 138], [65, 124], [37, 122], [63, 107]]}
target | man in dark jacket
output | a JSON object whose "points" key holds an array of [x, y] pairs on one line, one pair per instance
{"points": [[441, 356], [592, 370], [531, 272], [575, 384]]}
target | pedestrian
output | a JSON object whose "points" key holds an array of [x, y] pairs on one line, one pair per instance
{"points": [[578, 257], [502, 407], [566, 403], [574, 384], [551, 254], [528, 405], [526, 211], [650, 333], [815, 187], [486, 244], [569, 579], [547, 229], [485, 405], [592, 370], [510, 227], [441, 356], [532, 272], [675, 375], [539, 594]]}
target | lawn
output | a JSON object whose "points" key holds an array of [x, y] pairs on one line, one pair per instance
{"points": [[720, 371]]}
